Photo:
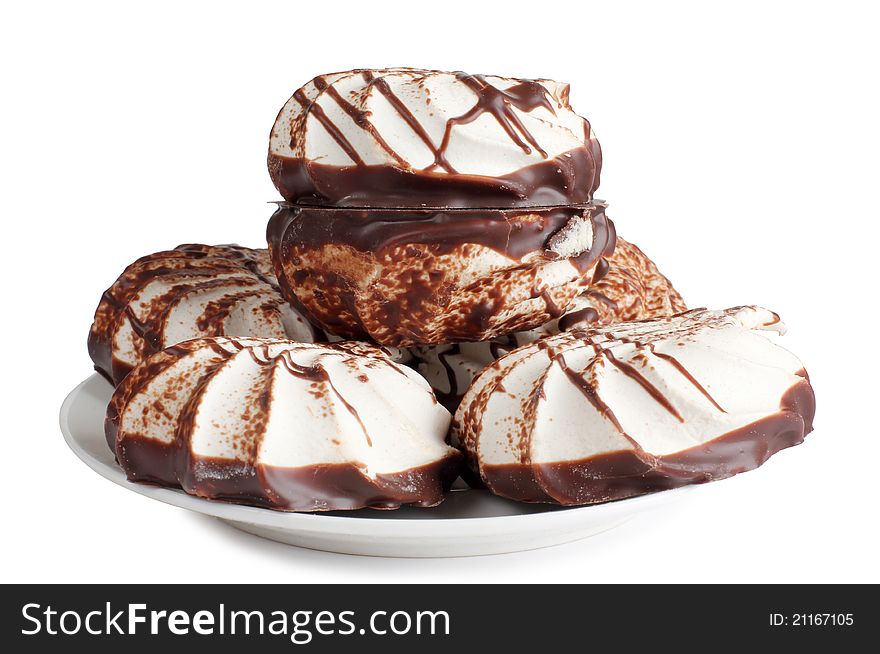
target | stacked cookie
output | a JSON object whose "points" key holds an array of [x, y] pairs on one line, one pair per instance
{"points": [[438, 251]]}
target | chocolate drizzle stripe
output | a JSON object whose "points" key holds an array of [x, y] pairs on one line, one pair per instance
{"points": [[569, 320], [611, 336], [502, 345], [360, 118], [553, 309], [675, 363], [473, 413], [642, 381], [259, 354], [452, 378], [601, 271], [314, 109], [317, 373], [351, 410], [144, 330], [404, 112], [496, 103], [589, 391]]}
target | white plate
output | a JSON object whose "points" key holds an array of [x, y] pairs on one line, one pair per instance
{"points": [[468, 523]]}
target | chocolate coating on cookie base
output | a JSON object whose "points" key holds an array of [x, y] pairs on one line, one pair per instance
{"points": [[326, 487], [512, 233], [320, 254], [618, 475], [170, 457], [570, 178]]}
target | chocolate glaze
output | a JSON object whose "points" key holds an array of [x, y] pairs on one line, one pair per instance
{"points": [[323, 487], [331, 295], [329, 487], [601, 271], [567, 179], [513, 233], [377, 208], [621, 474], [571, 177]]}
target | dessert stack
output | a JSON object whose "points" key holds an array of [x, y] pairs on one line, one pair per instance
{"points": [[441, 295]]}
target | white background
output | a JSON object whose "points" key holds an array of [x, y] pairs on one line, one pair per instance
{"points": [[741, 153]]}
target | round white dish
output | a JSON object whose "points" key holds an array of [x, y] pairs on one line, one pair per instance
{"points": [[468, 523]]}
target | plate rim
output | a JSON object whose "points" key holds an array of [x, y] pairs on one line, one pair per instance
{"points": [[327, 522]]}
